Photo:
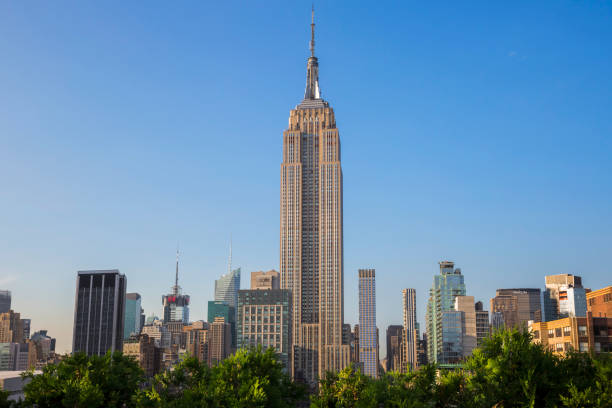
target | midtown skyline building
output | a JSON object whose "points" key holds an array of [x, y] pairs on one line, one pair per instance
{"points": [[99, 312], [516, 307], [444, 328], [175, 304], [554, 284], [5, 301], [265, 280], [410, 330], [368, 340], [133, 311], [395, 343], [264, 319], [466, 306], [482, 323], [227, 287], [311, 232]]}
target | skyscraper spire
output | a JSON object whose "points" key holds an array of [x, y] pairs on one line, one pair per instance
{"points": [[312, 74], [175, 288], [312, 27]]}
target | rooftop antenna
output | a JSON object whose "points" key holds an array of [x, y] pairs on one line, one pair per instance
{"points": [[312, 28], [175, 289]]}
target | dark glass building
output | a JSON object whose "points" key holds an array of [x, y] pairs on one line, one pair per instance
{"points": [[5, 301], [99, 312]]}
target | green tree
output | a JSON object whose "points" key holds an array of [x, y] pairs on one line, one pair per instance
{"points": [[81, 381], [246, 379], [348, 388]]}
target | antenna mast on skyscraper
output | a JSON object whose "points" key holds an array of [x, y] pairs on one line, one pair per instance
{"points": [[312, 27], [175, 289]]}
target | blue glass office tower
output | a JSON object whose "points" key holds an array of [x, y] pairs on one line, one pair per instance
{"points": [[444, 333], [132, 315], [227, 287]]}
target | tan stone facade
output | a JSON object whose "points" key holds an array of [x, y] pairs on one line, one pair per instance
{"points": [[311, 239], [265, 280]]}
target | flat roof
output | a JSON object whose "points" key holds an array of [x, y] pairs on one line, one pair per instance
{"points": [[98, 271]]}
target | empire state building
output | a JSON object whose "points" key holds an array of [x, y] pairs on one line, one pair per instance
{"points": [[311, 247]]}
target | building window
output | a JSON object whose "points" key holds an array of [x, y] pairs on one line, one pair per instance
{"points": [[551, 333], [567, 330], [597, 347], [558, 332], [559, 347], [584, 347], [608, 297], [567, 346], [582, 330]]}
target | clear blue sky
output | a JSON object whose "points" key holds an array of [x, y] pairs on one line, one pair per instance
{"points": [[479, 133]]}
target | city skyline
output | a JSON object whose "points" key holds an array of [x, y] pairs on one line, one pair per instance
{"points": [[417, 239]]}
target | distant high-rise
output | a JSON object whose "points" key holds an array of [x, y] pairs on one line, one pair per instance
{"points": [[465, 305], [27, 325], [219, 343], [11, 327], [227, 287], [227, 312], [516, 307], [264, 319], [410, 329], [444, 332], [5, 301], [311, 232], [176, 305], [564, 296], [395, 342], [368, 345], [482, 323], [99, 312], [132, 315], [45, 344], [265, 280]]}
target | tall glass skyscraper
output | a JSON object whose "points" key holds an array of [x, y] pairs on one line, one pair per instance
{"points": [[227, 287], [368, 341], [444, 325], [132, 315]]}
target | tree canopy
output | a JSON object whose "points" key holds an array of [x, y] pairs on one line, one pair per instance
{"points": [[508, 371]]}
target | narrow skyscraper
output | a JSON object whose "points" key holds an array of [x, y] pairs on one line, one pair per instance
{"points": [[311, 240], [368, 339], [410, 330], [99, 312], [132, 324]]}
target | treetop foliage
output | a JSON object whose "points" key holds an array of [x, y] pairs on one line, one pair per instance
{"points": [[508, 371]]}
